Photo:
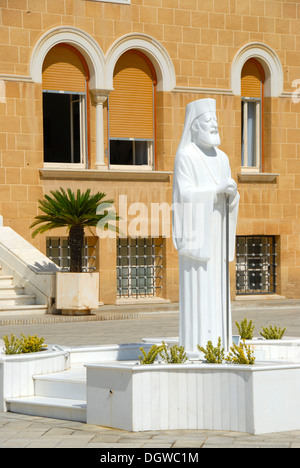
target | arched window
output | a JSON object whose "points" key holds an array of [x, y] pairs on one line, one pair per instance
{"points": [[65, 79], [132, 112], [252, 91]]}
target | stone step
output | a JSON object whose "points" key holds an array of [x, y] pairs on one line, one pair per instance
{"points": [[22, 299], [52, 396], [62, 385], [10, 289], [14, 300], [57, 408], [18, 310], [6, 279]]}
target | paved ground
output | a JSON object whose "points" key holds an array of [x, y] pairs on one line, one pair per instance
{"points": [[36, 432]]}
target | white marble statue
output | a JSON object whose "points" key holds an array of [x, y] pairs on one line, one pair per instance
{"points": [[202, 181]]}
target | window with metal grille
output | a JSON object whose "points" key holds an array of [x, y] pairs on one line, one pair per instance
{"points": [[256, 265], [139, 267], [58, 250]]}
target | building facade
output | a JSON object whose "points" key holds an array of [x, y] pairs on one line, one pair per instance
{"points": [[93, 95]]}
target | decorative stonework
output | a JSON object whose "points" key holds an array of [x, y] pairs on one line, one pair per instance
{"points": [[125, 2], [268, 59]]}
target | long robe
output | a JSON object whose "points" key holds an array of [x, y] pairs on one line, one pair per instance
{"points": [[199, 219]]}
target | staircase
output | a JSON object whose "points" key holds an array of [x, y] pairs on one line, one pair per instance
{"points": [[51, 396], [14, 300]]}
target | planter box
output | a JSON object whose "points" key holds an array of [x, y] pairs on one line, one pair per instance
{"points": [[274, 350], [77, 292], [17, 371], [256, 399]]}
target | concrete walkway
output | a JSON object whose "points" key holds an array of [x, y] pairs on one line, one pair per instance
{"points": [[36, 432]]}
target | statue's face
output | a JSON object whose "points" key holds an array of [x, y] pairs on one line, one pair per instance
{"points": [[205, 130]]}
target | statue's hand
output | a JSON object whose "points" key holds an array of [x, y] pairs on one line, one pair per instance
{"points": [[228, 188]]}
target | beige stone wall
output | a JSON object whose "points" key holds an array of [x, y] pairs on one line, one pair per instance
{"points": [[21, 155], [201, 38]]}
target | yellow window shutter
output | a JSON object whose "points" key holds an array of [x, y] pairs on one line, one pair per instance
{"points": [[252, 80], [131, 104], [63, 70]]}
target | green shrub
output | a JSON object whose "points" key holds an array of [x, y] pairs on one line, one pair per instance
{"points": [[29, 344], [149, 358], [272, 333], [245, 329], [213, 355], [12, 345], [173, 355], [241, 354], [32, 344]]}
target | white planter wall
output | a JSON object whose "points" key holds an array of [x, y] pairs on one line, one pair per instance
{"points": [[272, 350], [91, 354], [17, 371], [125, 395], [256, 399]]}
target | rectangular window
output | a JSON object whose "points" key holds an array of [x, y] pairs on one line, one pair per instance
{"points": [[251, 135], [139, 267], [131, 152], [58, 250], [64, 128], [256, 265]]}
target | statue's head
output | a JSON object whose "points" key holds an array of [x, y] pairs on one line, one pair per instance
{"points": [[204, 127], [200, 125], [204, 130]]}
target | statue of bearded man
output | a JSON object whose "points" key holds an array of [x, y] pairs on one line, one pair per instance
{"points": [[201, 183]]}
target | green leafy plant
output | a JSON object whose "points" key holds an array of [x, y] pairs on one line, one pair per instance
{"points": [[75, 212], [173, 355], [245, 329], [12, 344], [149, 358], [241, 354], [212, 354], [272, 333], [25, 344], [32, 344]]}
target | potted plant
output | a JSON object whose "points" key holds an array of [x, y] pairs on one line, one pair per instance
{"points": [[77, 292]]}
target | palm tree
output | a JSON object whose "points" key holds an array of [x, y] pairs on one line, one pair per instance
{"points": [[75, 212]]}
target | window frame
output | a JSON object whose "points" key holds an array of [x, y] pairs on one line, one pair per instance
{"points": [[135, 167], [131, 262], [257, 167], [83, 124], [151, 166], [264, 265], [62, 260], [84, 117]]}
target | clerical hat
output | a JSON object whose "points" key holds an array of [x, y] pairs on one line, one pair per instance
{"points": [[201, 106]]}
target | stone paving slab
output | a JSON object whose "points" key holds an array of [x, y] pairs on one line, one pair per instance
{"points": [[51, 433]]}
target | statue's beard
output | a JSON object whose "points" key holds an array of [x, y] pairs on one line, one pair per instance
{"points": [[207, 139]]}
